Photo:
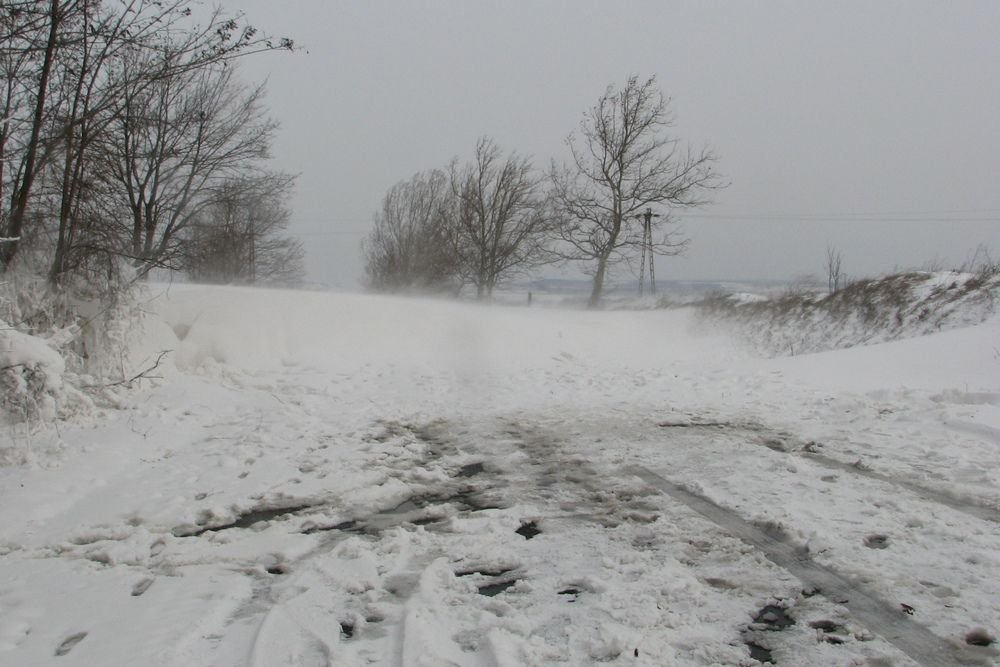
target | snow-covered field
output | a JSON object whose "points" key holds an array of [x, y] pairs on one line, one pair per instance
{"points": [[324, 479]]}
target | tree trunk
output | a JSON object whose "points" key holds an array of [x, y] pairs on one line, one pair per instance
{"points": [[136, 234], [482, 279], [9, 250], [69, 194], [598, 289]]}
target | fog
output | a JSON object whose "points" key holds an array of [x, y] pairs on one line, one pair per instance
{"points": [[872, 128]]}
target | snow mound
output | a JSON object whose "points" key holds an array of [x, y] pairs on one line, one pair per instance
{"points": [[31, 375], [863, 313]]}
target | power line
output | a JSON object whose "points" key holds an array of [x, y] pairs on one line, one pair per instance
{"points": [[334, 221], [983, 215], [891, 213], [331, 232]]}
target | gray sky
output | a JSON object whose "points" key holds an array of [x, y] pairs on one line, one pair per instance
{"points": [[873, 127]]}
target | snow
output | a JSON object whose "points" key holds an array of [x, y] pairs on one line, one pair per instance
{"points": [[866, 312], [31, 374], [343, 479], [19, 349], [942, 280]]}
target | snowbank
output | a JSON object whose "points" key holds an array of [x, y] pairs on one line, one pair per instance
{"points": [[31, 375], [865, 312]]}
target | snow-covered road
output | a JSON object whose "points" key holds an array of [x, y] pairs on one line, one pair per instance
{"points": [[347, 480]]}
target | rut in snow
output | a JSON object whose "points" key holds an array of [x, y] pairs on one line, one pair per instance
{"points": [[940, 497], [778, 441], [911, 637]]}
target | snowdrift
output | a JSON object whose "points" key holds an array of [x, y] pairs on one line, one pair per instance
{"points": [[252, 329], [348, 479], [865, 312]]}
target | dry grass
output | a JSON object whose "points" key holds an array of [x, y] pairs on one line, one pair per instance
{"points": [[863, 312]]}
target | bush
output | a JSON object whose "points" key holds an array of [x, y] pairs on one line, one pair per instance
{"points": [[61, 348], [31, 376]]}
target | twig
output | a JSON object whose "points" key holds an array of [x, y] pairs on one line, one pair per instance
{"points": [[142, 374]]}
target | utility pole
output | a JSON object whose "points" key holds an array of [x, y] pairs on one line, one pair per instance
{"points": [[647, 249], [253, 251]]}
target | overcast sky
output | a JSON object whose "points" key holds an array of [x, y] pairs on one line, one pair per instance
{"points": [[872, 127]]}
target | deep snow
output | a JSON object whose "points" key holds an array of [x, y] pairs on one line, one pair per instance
{"points": [[347, 479]]}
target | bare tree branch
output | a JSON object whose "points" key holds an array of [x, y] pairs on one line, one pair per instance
{"points": [[145, 373]]}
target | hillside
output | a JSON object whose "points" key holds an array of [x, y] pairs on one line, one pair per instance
{"points": [[335, 479], [865, 312]]}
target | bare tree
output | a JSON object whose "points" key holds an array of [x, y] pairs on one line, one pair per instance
{"points": [[171, 143], [413, 245], [834, 274], [279, 260], [238, 237], [623, 162], [501, 223], [69, 84]]}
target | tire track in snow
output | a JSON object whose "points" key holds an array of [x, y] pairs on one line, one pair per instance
{"points": [[972, 509], [909, 636], [976, 510], [982, 430]]}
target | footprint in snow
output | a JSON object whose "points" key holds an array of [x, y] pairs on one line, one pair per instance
{"points": [[156, 548], [877, 541], [142, 586], [67, 644]]}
